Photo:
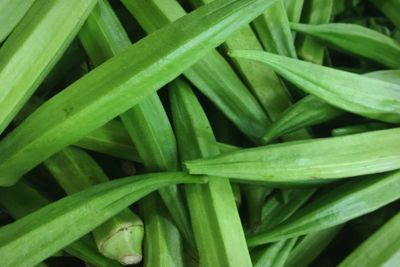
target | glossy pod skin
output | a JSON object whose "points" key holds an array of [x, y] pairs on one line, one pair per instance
{"points": [[314, 12], [216, 223], [355, 93], [119, 238], [343, 203], [18, 8], [147, 124], [212, 74], [120, 83], [390, 8], [311, 110], [80, 213], [382, 247], [307, 161], [265, 84], [307, 112], [34, 47], [356, 40], [22, 199]]}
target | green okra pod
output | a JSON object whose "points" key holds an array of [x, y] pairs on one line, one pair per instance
{"points": [[275, 39], [381, 249], [356, 40], [216, 223], [365, 96], [103, 37], [12, 12], [273, 255], [314, 12], [80, 213], [307, 161], [34, 47], [120, 238], [343, 203], [22, 199], [120, 83], [212, 74], [311, 246]]}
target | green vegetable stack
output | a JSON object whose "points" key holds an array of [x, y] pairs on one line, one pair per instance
{"points": [[165, 133]]}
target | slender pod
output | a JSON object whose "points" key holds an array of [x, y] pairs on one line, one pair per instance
{"points": [[274, 32], [294, 9], [343, 203], [265, 84], [311, 246], [355, 93], [216, 223], [381, 249], [307, 161], [120, 238], [390, 8], [311, 110], [103, 37], [79, 213], [34, 47], [12, 12], [314, 12], [22, 199], [163, 244], [120, 83], [356, 40], [273, 255], [307, 112], [212, 74]]}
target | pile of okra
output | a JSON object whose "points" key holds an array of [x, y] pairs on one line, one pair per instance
{"points": [[200, 133]]}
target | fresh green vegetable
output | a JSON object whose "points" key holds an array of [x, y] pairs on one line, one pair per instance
{"points": [[216, 223], [380, 249], [307, 112], [147, 122], [120, 83], [311, 246], [120, 238], [293, 9], [314, 12], [311, 110], [390, 8], [12, 12], [307, 161], [345, 202], [274, 255], [356, 40], [275, 212], [362, 95], [280, 118], [79, 213], [360, 128], [265, 84], [275, 39], [34, 47], [163, 243], [22, 199], [212, 74]]}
